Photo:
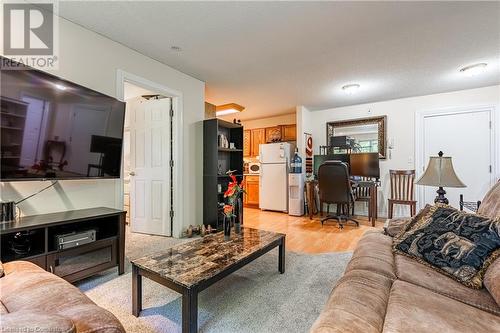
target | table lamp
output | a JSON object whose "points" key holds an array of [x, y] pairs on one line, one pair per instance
{"points": [[440, 173]]}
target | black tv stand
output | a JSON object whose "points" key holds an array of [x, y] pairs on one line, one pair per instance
{"points": [[108, 250]]}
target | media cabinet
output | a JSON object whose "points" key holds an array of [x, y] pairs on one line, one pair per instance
{"points": [[76, 263]]}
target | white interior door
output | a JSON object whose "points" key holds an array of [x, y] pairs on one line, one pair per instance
{"points": [[150, 166], [467, 137]]}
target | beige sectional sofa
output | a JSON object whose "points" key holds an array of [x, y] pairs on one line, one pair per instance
{"points": [[383, 292]]}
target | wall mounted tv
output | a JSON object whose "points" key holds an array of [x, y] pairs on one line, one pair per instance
{"points": [[54, 129]]}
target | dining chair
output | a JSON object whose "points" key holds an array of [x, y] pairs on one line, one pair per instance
{"points": [[402, 190], [364, 194]]}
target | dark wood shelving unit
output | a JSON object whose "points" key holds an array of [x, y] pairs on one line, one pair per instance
{"points": [[76, 263], [229, 150], [216, 162]]}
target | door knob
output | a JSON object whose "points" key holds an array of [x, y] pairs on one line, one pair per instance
{"points": [[131, 173]]}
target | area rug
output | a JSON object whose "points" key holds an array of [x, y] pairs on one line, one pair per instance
{"points": [[256, 298]]}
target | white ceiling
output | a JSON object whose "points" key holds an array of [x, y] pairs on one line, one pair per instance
{"points": [[272, 56]]}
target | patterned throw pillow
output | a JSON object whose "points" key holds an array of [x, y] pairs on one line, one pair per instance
{"points": [[422, 213], [457, 244]]}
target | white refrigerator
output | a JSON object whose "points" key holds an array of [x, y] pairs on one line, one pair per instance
{"points": [[273, 185]]}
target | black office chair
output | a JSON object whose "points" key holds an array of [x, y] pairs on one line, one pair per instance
{"points": [[335, 188]]}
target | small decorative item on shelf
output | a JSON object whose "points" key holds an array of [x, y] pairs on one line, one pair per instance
{"points": [[199, 230], [233, 206], [223, 141], [21, 242]]}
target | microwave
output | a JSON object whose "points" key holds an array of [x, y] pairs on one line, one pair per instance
{"points": [[254, 167]]}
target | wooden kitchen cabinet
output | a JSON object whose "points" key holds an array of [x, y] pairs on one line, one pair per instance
{"points": [[257, 137], [252, 138], [273, 134], [247, 143], [251, 185], [289, 132]]}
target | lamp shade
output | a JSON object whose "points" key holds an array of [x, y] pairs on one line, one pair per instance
{"points": [[440, 173]]}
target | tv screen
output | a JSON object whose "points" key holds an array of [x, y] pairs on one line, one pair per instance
{"points": [[364, 165], [55, 129]]}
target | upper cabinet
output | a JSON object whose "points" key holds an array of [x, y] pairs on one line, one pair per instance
{"points": [[289, 132], [257, 137], [273, 134], [247, 143], [252, 138]]}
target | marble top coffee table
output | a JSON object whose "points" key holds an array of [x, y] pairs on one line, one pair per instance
{"points": [[192, 267]]}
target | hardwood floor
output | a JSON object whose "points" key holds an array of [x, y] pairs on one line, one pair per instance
{"points": [[308, 236]]}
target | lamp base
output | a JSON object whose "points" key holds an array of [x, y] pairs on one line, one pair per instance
{"points": [[440, 198]]}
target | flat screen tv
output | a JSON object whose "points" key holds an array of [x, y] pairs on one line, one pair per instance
{"points": [[55, 129]]}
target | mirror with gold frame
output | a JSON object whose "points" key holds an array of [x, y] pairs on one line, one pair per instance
{"points": [[364, 135]]}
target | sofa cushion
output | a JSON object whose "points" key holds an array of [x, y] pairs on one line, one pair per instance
{"points": [[357, 304], [413, 272], [413, 309], [490, 206], [26, 286], [458, 244], [374, 253], [3, 309], [492, 280], [28, 321]]}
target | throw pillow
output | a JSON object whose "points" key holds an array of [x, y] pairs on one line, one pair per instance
{"points": [[458, 244], [398, 226]]}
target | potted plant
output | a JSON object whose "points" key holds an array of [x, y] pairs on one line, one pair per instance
{"points": [[233, 192]]}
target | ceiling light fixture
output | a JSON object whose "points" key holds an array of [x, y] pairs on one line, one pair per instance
{"points": [[351, 88], [473, 70], [60, 87], [225, 109]]}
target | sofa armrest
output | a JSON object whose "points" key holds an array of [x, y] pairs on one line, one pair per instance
{"points": [[357, 304], [27, 321], [492, 280]]}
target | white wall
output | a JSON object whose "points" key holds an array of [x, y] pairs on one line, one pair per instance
{"points": [[92, 60], [400, 127], [286, 119]]}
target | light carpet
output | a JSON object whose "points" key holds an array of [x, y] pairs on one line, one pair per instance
{"points": [[256, 298]]}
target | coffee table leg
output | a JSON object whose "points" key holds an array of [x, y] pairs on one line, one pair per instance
{"points": [[190, 311], [136, 291], [281, 257]]}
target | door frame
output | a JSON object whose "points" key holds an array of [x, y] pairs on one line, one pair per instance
{"points": [[421, 163], [177, 146]]}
